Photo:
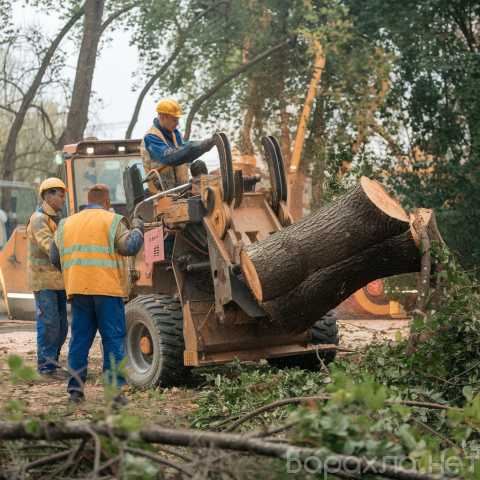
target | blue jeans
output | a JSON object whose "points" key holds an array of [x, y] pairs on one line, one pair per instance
{"points": [[52, 327], [107, 315]]}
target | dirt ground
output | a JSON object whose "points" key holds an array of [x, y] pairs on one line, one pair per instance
{"points": [[46, 397]]}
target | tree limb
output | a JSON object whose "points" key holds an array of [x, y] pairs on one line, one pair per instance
{"points": [[13, 84], [7, 109], [223, 81], [316, 398], [114, 16], [179, 44], [48, 460], [158, 459], [194, 438], [46, 121], [10, 146]]}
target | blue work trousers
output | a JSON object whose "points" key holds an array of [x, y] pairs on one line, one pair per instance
{"points": [[52, 327], [107, 315]]}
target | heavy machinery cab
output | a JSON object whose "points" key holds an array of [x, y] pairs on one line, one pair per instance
{"points": [[93, 161], [190, 305]]}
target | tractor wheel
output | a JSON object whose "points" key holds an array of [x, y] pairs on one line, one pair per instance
{"points": [[325, 331], [154, 341]]}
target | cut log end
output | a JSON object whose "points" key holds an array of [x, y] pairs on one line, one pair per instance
{"points": [[382, 200], [251, 276]]}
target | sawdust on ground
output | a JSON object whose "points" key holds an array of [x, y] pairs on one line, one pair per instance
{"points": [[168, 406]]}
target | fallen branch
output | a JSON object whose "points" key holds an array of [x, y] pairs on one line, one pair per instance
{"points": [[158, 459], [192, 438], [48, 460], [316, 398]]}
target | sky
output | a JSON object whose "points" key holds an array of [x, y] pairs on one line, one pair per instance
{"points": [[112, 83]]}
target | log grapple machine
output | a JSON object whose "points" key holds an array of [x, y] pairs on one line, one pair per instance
{"points": [[189, 303]]}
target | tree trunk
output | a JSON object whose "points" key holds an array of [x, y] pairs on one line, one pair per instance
{"points": [[296, 176], [10, 152], [326, 288], [315, 151], [365, 216], [77, 118]]}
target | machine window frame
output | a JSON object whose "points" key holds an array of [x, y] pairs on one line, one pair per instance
{"points": [[83, 158]]}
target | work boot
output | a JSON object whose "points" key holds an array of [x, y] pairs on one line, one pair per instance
{"points": [[76, 397], [54, 375]]}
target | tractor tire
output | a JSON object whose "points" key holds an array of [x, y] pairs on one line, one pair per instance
{"points": [[325, 331], [154, 342]]}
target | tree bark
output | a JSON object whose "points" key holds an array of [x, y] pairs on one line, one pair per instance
{"points": [[9, 156], [77, 118], [326, 288], [205, 439], [365, 216]]}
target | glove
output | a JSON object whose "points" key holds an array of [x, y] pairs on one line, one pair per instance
{"points": [[207, 144], [138, 223]]}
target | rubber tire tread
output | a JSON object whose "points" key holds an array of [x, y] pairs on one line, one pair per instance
{"points": [[166, 319], [324, 331]]}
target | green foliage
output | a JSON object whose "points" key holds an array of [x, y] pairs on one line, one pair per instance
{"points": [[19, 372], [139, 468], [357, 422], [240, 388], [446, 357], [431, 112]]}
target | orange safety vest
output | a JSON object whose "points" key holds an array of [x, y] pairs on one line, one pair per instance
{"points": [[90, 265], [170, 177]]}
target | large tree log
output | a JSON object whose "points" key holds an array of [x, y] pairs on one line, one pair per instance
{"points": [[328, 287], [358, 220]]}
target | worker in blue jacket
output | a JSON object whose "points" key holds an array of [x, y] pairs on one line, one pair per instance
{"points": [[165, 154]]}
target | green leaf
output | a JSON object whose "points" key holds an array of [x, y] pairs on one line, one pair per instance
{"points": [[468, 392], [14, 362], [130, 423], [32, 426], [407, 438]]}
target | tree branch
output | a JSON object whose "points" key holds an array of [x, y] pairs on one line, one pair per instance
{"points": [[330, 463], [10, 146], [7, 109], [46, 121], [114, 16], [158, 459], [220, 83], [179, 44]]}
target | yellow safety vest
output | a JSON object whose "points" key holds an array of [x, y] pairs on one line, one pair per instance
{"points": [[90, 265], [170, 176]]}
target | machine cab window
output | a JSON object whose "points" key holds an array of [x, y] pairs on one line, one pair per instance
{"points": [[90, 169]]}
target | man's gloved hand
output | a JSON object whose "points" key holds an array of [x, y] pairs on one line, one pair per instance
{"points": [[208, 143], [137, 222]]}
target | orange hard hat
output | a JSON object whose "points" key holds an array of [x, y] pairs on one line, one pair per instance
{"points": [[169, 107], [49, 183]]}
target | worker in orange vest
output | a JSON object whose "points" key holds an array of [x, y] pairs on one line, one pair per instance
{"points": [[90, 248], [44, 280], [164, 149]]}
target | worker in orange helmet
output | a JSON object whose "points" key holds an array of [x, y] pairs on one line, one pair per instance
{"points": [[44, 280], [165, 151]]}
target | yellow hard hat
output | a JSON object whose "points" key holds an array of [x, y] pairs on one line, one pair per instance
{"points": [[49, 183], [170, 107]]}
